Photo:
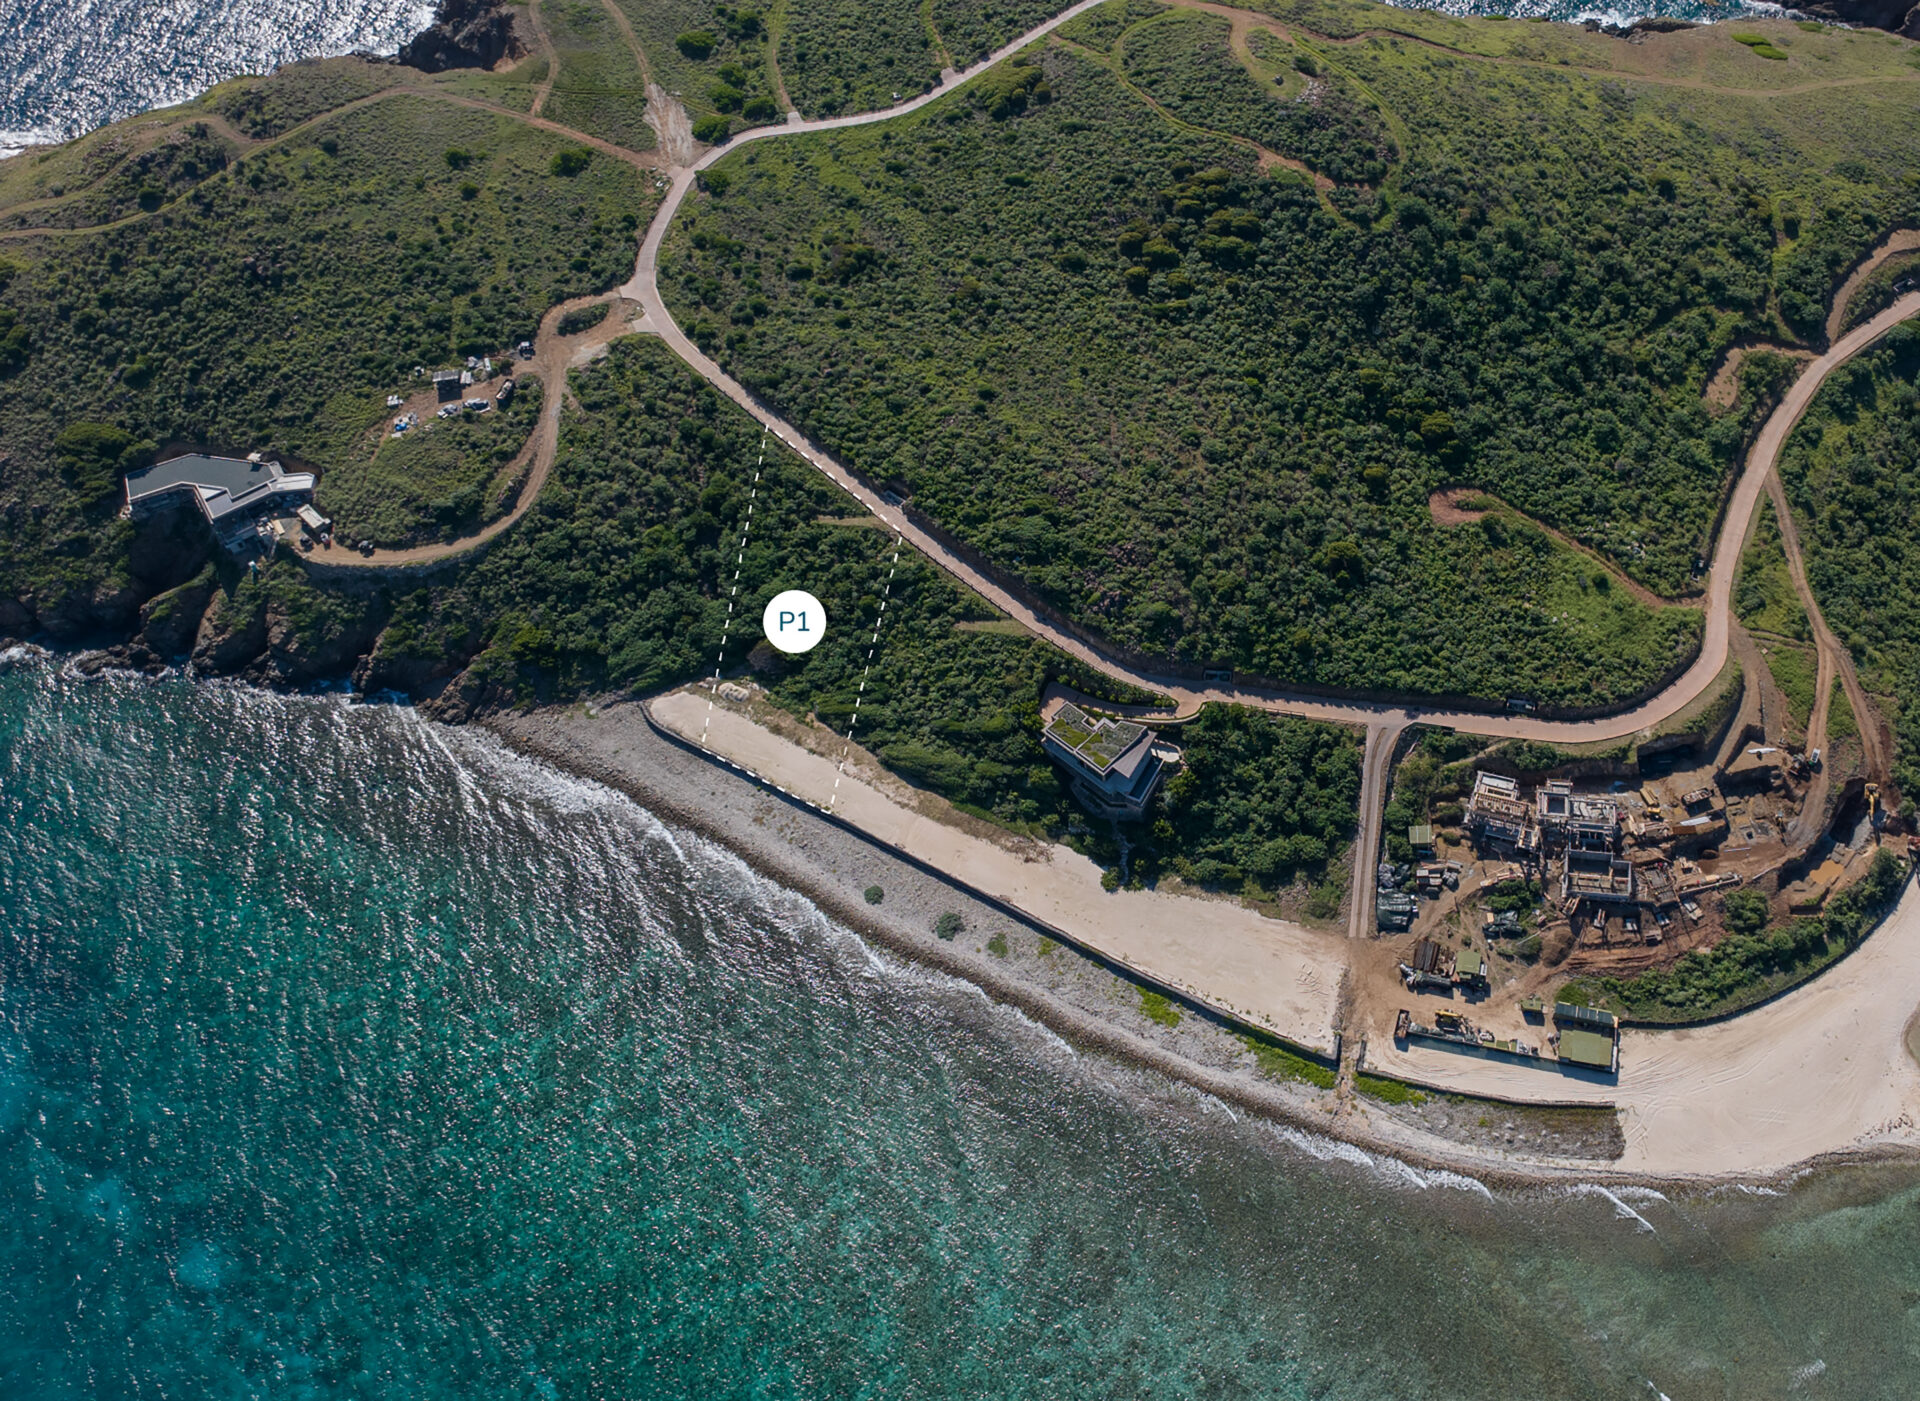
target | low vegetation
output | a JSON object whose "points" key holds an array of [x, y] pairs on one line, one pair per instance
{"points": [[1278, 1063], [1850, 473], [1157, 1007], [1795, 672], [442, 479], [713, 56], [1185, 64], [1764, 598], [1530, 298], [841, 56], [1387, 1091], [599, 88]]}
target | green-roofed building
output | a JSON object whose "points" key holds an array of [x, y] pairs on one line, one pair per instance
{"points": [[1112, 765], [1588, 1037]]}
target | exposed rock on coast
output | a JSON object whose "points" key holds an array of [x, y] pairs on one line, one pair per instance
{"points": [[465, 34], [1895, 16]]}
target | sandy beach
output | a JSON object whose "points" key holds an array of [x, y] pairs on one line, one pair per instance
{"points": [[1819, 1073], [1089, 1004], [1275, 974]]}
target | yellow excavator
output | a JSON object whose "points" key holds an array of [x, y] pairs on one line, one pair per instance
{"points": [[1874, 815]]}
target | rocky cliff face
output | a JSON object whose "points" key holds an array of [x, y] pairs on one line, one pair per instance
{"points": [[465, 34], [1896, 16]]}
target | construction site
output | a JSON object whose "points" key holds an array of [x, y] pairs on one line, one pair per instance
{"points": [[1517, 878]]}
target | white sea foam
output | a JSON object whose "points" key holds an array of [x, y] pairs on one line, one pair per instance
{"points": [[1802, 1375], [71, 67], [1615, 1195]]}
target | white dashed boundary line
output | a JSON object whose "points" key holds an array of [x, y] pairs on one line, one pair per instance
{"points": [[740, 554], [873, 644]]}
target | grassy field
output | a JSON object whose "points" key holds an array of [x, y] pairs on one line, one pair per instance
{"points": [[1185, 63], [1764, 598], [1795, 671], [439, 481], [1841, 724], [712, 55], [599, 89]]}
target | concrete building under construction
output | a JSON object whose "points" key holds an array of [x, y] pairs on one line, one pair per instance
{"points": [[1498, 817]]}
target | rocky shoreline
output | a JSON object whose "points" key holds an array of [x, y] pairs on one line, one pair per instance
{"points": [[467, 34]]}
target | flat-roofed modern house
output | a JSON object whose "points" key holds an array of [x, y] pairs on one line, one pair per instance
{"points": [[1111, 765], [1578, 821], [231, 492], [1597, 875]]}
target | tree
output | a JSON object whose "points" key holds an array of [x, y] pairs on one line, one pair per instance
{"points": [[1745, 911]]}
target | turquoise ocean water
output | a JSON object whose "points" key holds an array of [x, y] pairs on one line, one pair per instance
{"points": [[343, 1056]]}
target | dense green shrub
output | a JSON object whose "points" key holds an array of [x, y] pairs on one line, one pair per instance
{"points": [[1261, 799]]}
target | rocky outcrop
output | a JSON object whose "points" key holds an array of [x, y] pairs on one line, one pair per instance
{"points": [[421, 678], [16, 619], [1653, 24], [83, 614], [170, 623], [1895, 16], [231, 635], [300, 651], [465, 34]]}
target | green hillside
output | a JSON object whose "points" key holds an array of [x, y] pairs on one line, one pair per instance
{"points": [[1086, 316]]}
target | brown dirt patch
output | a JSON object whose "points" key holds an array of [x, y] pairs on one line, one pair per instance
{"points": [[1723, 386], [1447, 508]]}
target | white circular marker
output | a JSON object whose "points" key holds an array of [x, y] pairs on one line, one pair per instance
{"points": [[794, 622]]}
